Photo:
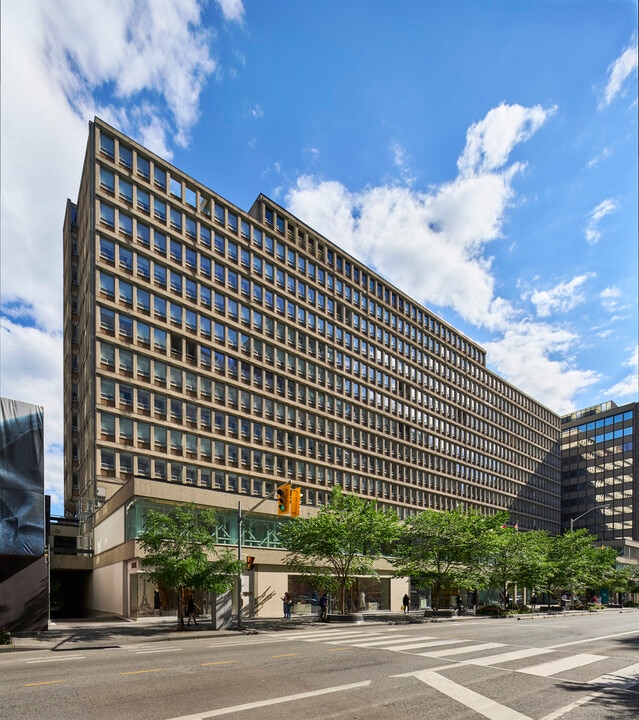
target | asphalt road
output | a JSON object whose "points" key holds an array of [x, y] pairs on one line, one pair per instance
{"points": [[572, 667]]}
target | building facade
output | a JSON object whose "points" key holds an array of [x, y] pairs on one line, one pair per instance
{"points": [[599, 471], [212, 354]]}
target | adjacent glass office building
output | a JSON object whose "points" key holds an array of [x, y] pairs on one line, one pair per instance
{"points": [[599, 471], [212, 354]]}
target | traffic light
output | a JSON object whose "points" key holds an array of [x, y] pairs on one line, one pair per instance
{"points": [[284, 500], [296, 499], [250, 562]]}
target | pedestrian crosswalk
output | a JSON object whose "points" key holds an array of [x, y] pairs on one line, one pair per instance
{"points": [[543, 662]]}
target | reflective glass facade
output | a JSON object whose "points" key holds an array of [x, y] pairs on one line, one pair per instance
{"points": [[599, 471]]}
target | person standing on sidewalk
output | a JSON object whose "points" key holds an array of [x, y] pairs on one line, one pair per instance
{"points": [[323, 608], [287, 603], [406, 604]]}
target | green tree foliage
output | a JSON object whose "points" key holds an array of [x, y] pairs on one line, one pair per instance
{"points": [[575, 563], [515, 558], [331, 549], [180, 552], [439, 548]]}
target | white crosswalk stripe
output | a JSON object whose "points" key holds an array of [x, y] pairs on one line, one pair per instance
{"points": [[394, 640], [562, 664], [460, 651]]}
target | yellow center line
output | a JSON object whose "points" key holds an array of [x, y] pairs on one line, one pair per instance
{"points": [[47, 682], [220, 662], [340, 649], [287, 655], [138, 672]]}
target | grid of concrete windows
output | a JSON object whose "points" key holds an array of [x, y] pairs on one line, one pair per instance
{"points": [[225, 352]]}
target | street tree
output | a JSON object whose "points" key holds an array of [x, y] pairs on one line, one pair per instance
{"points": [[436, 549], [332, 549], [515, 557], [576, 563], [180, 553]]}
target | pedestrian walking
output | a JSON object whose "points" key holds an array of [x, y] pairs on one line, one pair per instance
{"points": [[406, 603], [190, 610], [157, 603]]}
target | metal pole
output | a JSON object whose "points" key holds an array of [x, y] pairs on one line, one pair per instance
{"points": [[239, 559]]}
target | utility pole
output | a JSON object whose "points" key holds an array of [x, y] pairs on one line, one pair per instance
{"points": [[240, 521]]}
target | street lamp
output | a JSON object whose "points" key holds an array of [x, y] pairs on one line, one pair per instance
{"points": [[597, 507]]}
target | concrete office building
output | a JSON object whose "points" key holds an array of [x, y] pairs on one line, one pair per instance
{"points": [[212, 354]]}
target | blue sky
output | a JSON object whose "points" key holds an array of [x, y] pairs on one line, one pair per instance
{"points": [[482, 156]]}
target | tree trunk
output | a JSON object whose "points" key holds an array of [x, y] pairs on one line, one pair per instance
{"points": [[180, 610]]}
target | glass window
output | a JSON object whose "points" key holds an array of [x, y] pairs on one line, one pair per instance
{"points": [[144, 366], [126, 360], [176, 219], [125, 257], [144, 234], [107, 319], [107, 389], [126, 156], [107, 145], [159, 177], [205, 236], [144, 167], [125, 291], [107, 284], [159, 209], [107, 180], [126, 190], [107, 214], [107, 250], [107, 354], [143, 300]]}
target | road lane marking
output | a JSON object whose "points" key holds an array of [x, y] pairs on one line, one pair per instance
{"points": [[509, 656], [460, 651], [44, 682], [249, 642], [374, 643], [138, 672], [425, 643], [59, 659], [219, 662], [286, 655], [560, 712], [206, 714], [595, 639], [340, 649], [480, 704], [149, 652], [556, 666]]}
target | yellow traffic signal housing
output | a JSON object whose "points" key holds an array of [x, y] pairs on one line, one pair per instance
{"points": [[296, 499], [284, 500], [250, 562]]}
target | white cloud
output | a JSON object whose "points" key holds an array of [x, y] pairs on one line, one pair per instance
{"points": [[610, 298], [255, 113], [627, 389], [535, 357], [431, 244], [618, 73], [141, 65], [232, 9], [563, 297], [403, 161], [592, 232], [147, 50], [490, 141], [31, 360], [605, 153]]}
